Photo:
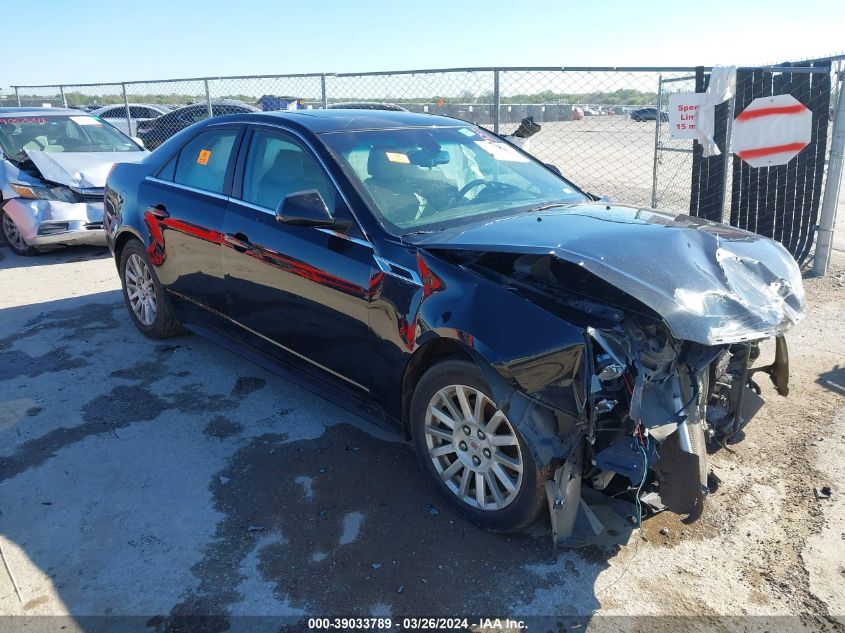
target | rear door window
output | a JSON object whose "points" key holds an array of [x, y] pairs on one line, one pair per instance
{"points": [[114, 113], [203, 162]]}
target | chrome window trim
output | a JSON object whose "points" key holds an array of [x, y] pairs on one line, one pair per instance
{"points": [[344, 236], [269, 211], [269, 340], [213, 194], [386, 266]]}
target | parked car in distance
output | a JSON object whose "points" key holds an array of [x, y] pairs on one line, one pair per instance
{"points": [[366, 105], [648, 114], [52, 175], [270, 103], [138, 112], [154, 132], [527, 337]]}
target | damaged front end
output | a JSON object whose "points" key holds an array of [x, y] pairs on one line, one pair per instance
{"points": [[654, 400]]}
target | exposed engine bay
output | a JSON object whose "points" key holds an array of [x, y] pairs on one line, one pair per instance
{"points": [[655, 402]]}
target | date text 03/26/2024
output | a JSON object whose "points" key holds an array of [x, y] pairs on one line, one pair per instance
{"points": [[414, 624]]}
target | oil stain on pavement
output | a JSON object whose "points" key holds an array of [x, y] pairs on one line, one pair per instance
{"points": [[354, 528]]}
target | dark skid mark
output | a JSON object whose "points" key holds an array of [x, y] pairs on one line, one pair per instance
{"points": [[245, 385], [444, 564], [119, 408], [90, 318], [191, 399], [16, 364], [222, 427], [84, 320]]}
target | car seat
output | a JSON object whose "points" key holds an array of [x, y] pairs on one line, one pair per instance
{"points": [[391, 187]]}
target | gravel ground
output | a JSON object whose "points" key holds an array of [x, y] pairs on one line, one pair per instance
{"points": [[157, 479]]}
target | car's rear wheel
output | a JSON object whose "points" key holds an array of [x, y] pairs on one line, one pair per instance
{"points": [[475, 455], [13, 236], [144, 296]]}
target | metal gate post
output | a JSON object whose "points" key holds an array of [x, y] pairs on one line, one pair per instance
{"points": [[126, 110], [496, 100], [323, 91], [208, 99], [17, 96], [729, 124], [827, 216], [656, 142], [62, 92]]}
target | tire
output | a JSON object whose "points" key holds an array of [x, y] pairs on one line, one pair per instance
{"points": [[492, 455], [13, 238], [154, 316]]}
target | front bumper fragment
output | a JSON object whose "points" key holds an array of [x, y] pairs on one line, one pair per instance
{"points": [[45, 223]]}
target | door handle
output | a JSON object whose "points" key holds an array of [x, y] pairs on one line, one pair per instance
{"points": [[159, 211], [238, 241]]}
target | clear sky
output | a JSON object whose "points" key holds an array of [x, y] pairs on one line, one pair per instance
{"points": [[88, 40]]}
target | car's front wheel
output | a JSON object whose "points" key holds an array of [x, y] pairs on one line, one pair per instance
{"points": [[13, 236], [474, 454], [144, 296]]}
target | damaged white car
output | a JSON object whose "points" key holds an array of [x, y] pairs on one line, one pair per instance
{"points": [[54, 168]]}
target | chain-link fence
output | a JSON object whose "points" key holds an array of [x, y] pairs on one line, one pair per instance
{"points": [[589, 126], [605, 128]]}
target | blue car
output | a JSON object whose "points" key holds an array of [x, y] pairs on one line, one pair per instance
{"points": [[525, 336]]}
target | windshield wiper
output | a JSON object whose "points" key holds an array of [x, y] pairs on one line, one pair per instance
{"points": [[551, 205]]}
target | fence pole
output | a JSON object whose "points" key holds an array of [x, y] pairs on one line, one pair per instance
{"points": [[827, 217], [496, 100], [727, 152], [656, 142], [126, 107], [62, 92], [17, 96], [323, 91], [208, 99]]}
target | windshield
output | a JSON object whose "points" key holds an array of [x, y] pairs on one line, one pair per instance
{"points": [[426, 179], [69, 133]]}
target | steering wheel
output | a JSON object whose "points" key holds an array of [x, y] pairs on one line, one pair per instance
{"points": [[472, 184]]}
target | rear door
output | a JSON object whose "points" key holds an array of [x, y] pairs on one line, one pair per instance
{"points": [[186, 202], [302, 290]]}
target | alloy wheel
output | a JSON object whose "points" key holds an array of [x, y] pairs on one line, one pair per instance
{"points": [[474, 447], [12, 234], [140, 289]]}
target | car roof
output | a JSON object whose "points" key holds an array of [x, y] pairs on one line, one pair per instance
{"points": [[156, 106], [41, 111], [337, 120], [214, 102]]}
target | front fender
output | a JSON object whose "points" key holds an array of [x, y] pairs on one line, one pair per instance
{"points": [[534, 350], [534, 362]]}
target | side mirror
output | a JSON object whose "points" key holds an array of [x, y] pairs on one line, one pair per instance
{"points": [[304, 208], [555, 169], [138, 140]]}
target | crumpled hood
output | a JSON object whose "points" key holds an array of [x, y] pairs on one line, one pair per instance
{"points": [[80, 170], [711, 283]]}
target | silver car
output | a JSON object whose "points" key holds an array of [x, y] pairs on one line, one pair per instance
{"points": [[52, 174], [138, 113]]}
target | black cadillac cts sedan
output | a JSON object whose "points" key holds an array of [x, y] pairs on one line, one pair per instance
{"points": [[526, 337]]}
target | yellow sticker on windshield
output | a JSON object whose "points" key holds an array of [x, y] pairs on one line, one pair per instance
{"points": [[202, 159], [396, 157]]}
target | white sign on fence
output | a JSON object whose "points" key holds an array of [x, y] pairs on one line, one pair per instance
{"points": [[772, 131], [682, 109]]}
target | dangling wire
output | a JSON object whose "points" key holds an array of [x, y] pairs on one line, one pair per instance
{"points": [[643, 440]]}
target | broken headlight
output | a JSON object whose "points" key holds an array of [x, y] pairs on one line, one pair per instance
{"points": [[32, 192]]}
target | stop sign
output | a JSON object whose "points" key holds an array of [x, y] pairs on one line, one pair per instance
{"points": [[771, 130]]}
